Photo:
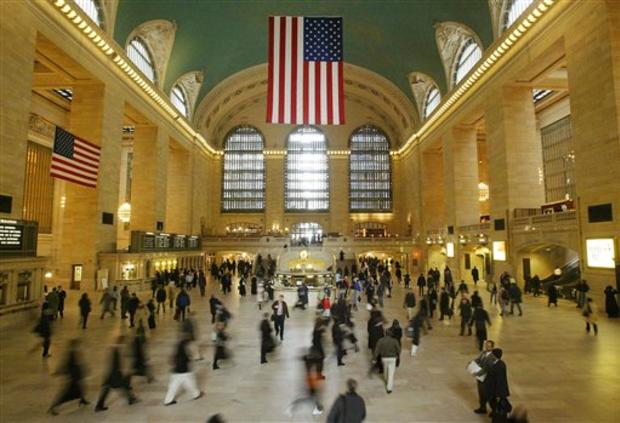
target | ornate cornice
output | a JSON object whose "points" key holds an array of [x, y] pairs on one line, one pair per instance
{"points": [[449, 37], [191, 83]]}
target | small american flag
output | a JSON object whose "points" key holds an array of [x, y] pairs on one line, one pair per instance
{"points": [[305, 71], [74, 159]]}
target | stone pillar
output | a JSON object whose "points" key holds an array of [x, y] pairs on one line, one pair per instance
{"points": [[179, 180], [150, 167], [199, 194], [408, 197], [515, 161], [460, 170], [593, 59], [339, 195], [96, 116], [274, 191], [17, 51], [432, 190]]}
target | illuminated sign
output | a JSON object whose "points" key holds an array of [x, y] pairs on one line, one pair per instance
{"points": [[11, 234], [499, 250], [601, 253], [450, 249]]}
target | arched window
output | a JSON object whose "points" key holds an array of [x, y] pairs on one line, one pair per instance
{"points": [[431, 101], [467, 58], [370, 173], [243, 183], [306, 233], [139, 54], [179, 99], [514, 9], [92, 8], [307, 177]]}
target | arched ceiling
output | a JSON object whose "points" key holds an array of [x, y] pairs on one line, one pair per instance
{"points": [[222, 37]]}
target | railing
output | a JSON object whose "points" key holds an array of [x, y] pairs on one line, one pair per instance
{"points": [[477, 228], [559, 218]]}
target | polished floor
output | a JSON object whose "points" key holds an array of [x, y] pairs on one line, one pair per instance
{"points": [[557, 371]]}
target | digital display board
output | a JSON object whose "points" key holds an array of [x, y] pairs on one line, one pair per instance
{"points": [[11, 234]]}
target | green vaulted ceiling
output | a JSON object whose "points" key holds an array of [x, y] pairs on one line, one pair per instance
{"points": [[390, 37]]}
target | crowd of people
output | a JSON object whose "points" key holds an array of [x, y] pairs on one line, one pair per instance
{"points": [[368, 284]]}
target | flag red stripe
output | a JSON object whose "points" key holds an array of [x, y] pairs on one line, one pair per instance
{"points": [[294, 53], [282, 74], [71, 179], [330, 95], [95, 149], [75, 174], [69, 163], [341, 94], [270, 73], [79, 150], [306, 99], [93, 164], [317, 90]]}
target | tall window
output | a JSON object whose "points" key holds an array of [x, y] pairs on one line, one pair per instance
{"points": [[307, 177], [558, 160], [431, 101], [179, 99], [39, 187], [514, 9], [139, 54], [92, 8], [243, 185], [468, 57], [370, 179]]}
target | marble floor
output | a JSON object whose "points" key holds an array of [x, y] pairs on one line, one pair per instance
{"points": [[557, 371]]}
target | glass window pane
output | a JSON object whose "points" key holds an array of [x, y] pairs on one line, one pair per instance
{"points": [[467, 59], [514, 9], [433, 97], [92, 9], [243, 184], [141, 57], [179, 100], [370, 171], [307, 172]]}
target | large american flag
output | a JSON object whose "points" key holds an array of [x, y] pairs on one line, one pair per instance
{"points": [[74, 159], [305, 71]]}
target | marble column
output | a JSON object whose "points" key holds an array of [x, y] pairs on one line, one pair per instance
{"points": [[593, 59], [515, 161], [149, 181], [179, 185], [96, 116]]}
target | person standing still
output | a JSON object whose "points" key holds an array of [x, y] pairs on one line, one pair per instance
{"points": [[475, 275], [280, 313], [84, 305]]}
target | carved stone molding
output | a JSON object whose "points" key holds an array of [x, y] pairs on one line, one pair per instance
{"points": [[420, 84], [41, 126], [449, 37], [496, 9], [159, 36], [191, 83], [109, 8]]}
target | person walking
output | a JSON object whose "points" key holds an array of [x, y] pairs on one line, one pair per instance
{"points": [[124, 301], [338, 339], [170, 295], [132, 307], [466, 313], [84, 305], [182, 303], [150, 307], [409, 303], [138, 349], [582, 289], [44, 330], [160, 297], [267, 343], [611, 305], [220, 352], [421, 284], [480, 319], [73, 389], [444, 304], [106, 303], [552, 295], [280, 313], [348, 407], [62, 295], [515, 295], [590, 312], [484, 360], [181, 376], [202, 283], [53, 301], [388, 349], [213, 303], [475, 275], [463, 290], [413, 331], [504, 300], [497, 388], [114, 378]]}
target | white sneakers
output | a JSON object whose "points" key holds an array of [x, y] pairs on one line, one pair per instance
{"points": [[316, 411]]}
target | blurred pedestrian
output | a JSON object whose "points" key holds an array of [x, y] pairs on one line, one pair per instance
{"points": [[348, 407], [72, 368], [84, 305], [115, 378], [182, 375]]}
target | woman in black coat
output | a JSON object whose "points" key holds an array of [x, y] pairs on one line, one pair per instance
{"points": [[140, 364], [611, 305], [266, 340], [253, 285], [375, 329], [73, 369], [552, 294], [115, 379], [444, 304]]}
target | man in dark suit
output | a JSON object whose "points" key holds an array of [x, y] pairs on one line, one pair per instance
{"points": [[280, 312], [497, 387], [485, 360]]}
